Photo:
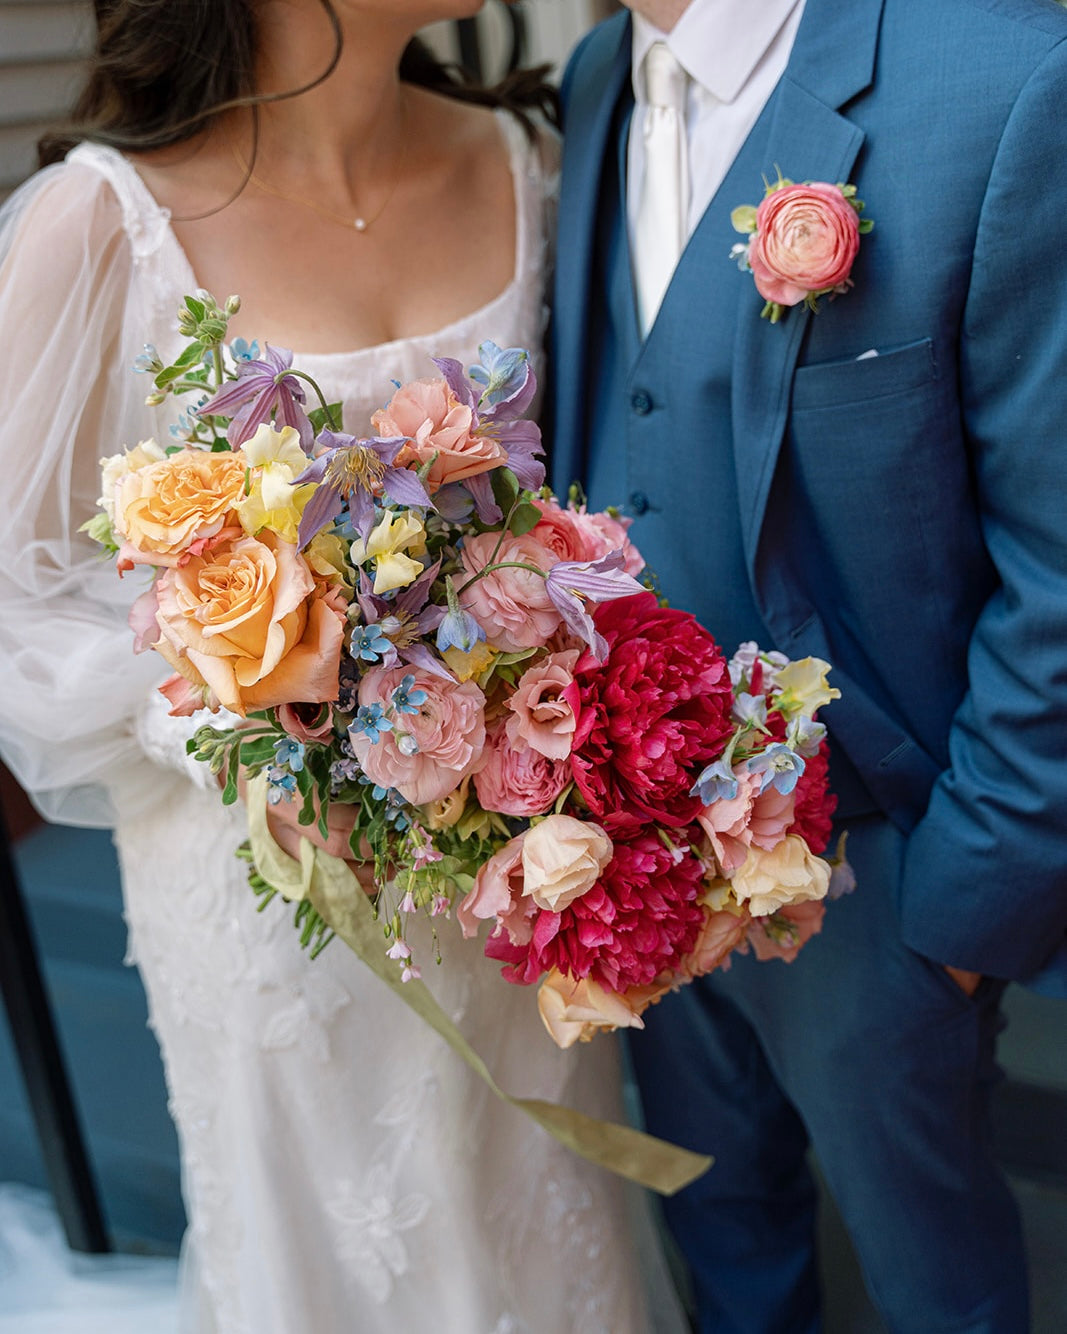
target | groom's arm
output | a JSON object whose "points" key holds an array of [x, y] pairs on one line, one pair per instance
{"points": [[985, 875]]}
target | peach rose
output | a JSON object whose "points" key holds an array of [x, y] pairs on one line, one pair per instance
{"points": [[543, 706], [520, 782], [573, 1009], [511, 605], [807, 238], [775, 939], [248, 620], [437, 424], [497, 894], [788, 873], [722, 932], [167, 509], [563, 858], [448, 733]]}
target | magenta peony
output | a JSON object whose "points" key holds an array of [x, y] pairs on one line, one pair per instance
{"points": [[651, 717]]}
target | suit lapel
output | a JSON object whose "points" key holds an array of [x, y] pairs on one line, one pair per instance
{"points": [[832, 61], [596, 83]]}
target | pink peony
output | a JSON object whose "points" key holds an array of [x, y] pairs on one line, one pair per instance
{"points": [[807, 237], [543, 706], [637, 923], [511, 605], [439, 428], [448, 731], [775, 938], [520, 782], [652, 715]]}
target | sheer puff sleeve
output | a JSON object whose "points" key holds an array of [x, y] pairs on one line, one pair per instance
{"points": [[72, 317]]}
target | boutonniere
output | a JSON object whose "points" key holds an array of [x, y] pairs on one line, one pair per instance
{"points": [[803, 240]]}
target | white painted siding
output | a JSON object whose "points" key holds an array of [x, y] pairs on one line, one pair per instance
{"points": [[43, 46]]}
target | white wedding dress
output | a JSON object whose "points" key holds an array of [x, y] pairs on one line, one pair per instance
{"points": [[343, 1170]]}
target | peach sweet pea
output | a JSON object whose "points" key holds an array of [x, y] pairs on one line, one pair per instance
{"points": [[248, 623], [439, 428], [168, 509], [562, 858], [807, 238], [788, 873], [723, 930], [448, 731]]}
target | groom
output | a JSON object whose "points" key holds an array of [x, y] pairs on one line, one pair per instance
{"points": [[882, 484]]}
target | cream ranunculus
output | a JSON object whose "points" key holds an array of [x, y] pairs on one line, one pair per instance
{"points": [[562, 858], [166, 509], [787, 873]]}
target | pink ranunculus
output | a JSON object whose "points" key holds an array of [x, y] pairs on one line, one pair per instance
{"points": [[807, 237], [575, 534], [720, 935], [654, 714], [511, 605], [771, 941], [615, 536], [448, 732], [497, 895], [543, 706], [520, 782], [437, 424]]}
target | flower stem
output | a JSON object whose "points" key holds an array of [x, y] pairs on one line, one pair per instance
{"points": [[303, 375], [501, 565]]}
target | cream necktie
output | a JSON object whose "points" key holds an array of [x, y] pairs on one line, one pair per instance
{"points": [[661, 227]]}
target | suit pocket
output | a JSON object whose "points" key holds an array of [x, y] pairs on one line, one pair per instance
{"points": [[864, 379]]}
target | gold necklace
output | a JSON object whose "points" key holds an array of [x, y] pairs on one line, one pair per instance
{"points": [[359, 223]]}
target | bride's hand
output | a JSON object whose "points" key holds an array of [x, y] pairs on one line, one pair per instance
{"points": [[285, 829]]}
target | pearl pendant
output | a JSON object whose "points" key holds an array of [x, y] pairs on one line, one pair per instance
{"points": [[360, 224]]}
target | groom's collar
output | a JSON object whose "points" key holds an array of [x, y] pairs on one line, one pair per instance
{"points": [[719, 43]]}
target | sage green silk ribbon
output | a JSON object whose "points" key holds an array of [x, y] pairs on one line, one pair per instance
{"points": [[338, 897]]}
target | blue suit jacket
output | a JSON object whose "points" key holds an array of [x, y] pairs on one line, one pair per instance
{"points": [[904, 515]]}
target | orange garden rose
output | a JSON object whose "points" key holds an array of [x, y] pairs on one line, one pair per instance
{"points": [[248, 620], [165, 510]]}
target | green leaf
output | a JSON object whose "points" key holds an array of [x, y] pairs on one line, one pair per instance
{"points": [[525, 517], [229, 792], [330, 416], [193, 353], [743, 219], [505, 487], [197, 307]]}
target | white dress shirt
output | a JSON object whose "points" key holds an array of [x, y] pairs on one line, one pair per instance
{"points": [[734, 52]]}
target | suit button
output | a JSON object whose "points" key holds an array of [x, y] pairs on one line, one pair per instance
{"points": [[641, 402], [639, 502]]}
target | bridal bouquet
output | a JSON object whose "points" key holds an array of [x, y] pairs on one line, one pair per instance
{"points": [[459, 682]]}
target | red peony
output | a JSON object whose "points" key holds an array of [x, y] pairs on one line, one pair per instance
{"points": [[814, 802], [639, 920], [652, 716]]}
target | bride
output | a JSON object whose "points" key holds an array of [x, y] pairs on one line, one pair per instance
{"points": [[342, 1169]]}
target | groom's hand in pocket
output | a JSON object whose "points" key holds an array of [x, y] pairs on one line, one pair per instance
{"points": [[964, 979]]}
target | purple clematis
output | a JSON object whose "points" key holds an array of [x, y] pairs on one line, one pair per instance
{"points": [[354, 470], [509, 387], [403, 620], [262, 391], [603, 580]]}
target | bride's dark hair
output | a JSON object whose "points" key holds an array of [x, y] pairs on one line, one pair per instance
{"points": [[164, 69]]}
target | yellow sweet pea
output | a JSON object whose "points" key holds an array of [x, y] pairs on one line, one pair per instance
{"points": [[275, 458], [391, 537], [803, 687]]}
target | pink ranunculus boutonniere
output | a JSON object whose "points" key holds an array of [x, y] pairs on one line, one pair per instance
{"points": [[803, 241]]}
